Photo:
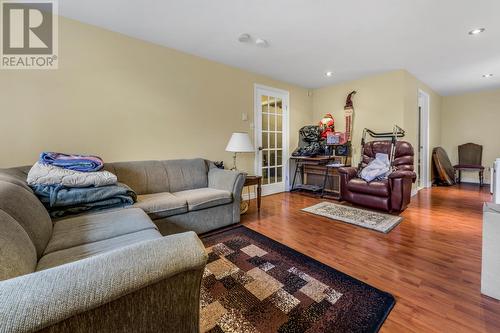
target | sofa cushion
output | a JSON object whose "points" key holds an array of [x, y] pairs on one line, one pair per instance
{"points": [[28, 211], [88, 228], [91, 249], [142, 176], [202, 198], [17, 252], [160, 205], [186, 174], [377, 188]]}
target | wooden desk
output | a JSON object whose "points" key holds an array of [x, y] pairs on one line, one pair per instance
{"points": [[255, 180]]}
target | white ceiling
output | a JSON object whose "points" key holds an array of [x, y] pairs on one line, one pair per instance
{"points": [[352, 38]]}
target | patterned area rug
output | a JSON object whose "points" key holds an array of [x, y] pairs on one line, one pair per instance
{"points": [[254, 284], [360, 217]]}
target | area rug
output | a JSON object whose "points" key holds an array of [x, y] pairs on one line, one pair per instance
{"points": [[361, 217], [254, 284]]}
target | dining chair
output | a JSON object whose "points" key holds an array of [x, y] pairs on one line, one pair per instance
{"points": [[470, 157]]}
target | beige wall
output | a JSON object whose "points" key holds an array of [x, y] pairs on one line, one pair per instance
{"points": [[377, 104], [125, 99], [381, 101], [473, 117]]}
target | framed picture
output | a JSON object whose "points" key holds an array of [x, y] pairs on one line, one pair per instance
{"points": [[332, 138], [342, 150]]}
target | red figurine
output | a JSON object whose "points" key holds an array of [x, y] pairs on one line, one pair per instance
{"points": [[326, 125]]}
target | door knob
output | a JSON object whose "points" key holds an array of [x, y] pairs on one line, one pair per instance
{"points": [[260, 148]]}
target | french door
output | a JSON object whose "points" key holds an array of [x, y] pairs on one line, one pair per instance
{"points": [[271, 136]]}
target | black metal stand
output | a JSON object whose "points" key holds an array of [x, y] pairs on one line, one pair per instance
{"points": [[299, 169], [328, 167]]}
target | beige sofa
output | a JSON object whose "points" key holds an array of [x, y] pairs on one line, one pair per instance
{"points": [[118, 270]]}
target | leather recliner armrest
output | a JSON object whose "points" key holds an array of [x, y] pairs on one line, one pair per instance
{"points": [[350, 172], [403, 174]]}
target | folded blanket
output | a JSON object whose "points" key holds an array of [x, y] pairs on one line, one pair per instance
{"points": [[46, 174], [57, 212], [72, 162], [60, 200]]}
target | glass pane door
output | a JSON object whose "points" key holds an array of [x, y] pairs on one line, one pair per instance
{"points": [[271, 135], [272, 139]]}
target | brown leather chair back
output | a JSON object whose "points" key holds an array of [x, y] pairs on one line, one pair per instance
{"points": [[470, 154], [403, 159]]}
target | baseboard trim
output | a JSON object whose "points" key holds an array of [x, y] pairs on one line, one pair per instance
{"points": [[474, 183]]}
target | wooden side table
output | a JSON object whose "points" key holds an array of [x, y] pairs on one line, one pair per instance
{"points": [[252, 181]]}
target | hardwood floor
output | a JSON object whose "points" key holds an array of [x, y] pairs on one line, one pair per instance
{"points": [[431, 262]]}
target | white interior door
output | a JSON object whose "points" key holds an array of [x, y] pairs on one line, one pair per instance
{"points": [[271, 136]]}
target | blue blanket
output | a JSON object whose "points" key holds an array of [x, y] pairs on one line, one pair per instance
{"points": [[60, 200], [83, 163]]}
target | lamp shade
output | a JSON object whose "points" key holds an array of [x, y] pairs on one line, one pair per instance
{"points": [[240, 143]]}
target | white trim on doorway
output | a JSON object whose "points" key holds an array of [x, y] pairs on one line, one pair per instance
{"points": [[424, 180], [260, 89]]}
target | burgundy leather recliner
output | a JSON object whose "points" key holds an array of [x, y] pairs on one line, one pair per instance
{"points": [[392, 194]]}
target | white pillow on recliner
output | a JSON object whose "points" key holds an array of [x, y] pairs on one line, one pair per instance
{"points": [[378, 168]]}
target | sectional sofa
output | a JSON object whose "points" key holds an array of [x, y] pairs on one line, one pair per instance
{"points": [[136, 269]]}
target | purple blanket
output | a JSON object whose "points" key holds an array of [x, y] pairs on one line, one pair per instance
{"points": [[83, 163]]}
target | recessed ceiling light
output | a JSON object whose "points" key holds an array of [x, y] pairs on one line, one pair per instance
{"points": [[244, 38], [261, 42], [476, 31], [487, 75], [329, 74]]}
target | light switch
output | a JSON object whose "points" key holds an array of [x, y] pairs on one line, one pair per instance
{"points": [[244, 116]]}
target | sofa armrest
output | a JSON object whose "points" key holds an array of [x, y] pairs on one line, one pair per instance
{"points": [[403, 174], [350, 172], [228, 180], [82, 295], [231, 181]]}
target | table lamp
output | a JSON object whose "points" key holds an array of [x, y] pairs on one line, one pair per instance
{"points": [[239, 143]]}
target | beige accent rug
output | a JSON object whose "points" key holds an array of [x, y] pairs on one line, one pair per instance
{"points": [[361, 217]]}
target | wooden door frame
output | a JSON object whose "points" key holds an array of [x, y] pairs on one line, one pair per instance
{"points": [[424, 102], [286, 130]]}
